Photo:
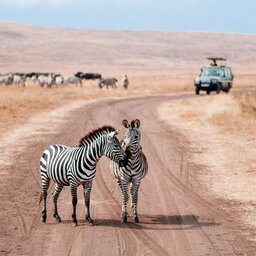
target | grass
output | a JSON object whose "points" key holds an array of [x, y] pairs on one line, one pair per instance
{"points": [[18, 104], [239, 116], [247, 102]]}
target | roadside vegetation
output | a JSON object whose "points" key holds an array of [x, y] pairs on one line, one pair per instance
{"points": [[247, 102], [239, 115]]}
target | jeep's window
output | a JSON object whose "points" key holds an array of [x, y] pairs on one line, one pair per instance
{"points": [[211, 72]]}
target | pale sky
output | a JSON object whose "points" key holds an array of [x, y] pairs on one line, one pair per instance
{"points": [[183, 15]]}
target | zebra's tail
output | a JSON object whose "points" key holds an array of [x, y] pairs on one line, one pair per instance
{"points": [[40, 199]]}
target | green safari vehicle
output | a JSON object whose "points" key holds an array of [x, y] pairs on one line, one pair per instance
{"points": [[214, 77]]}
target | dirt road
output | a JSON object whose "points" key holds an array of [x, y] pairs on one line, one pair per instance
{"points": [[177, 218]]}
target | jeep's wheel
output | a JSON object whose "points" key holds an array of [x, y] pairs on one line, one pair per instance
{"points": [[197, 91], [208, 92], [218, 88], [228, 89]]}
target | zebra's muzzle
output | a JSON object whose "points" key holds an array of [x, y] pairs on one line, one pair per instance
{"points": [[122, 163]]}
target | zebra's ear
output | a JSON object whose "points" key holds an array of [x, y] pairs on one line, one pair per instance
{"points": [[117, 131], [125, 123], [137, 123]]}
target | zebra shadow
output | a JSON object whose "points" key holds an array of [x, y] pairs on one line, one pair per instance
{"points": [[160, 222]]}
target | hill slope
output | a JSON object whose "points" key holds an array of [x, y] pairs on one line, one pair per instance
{"points": [[29, 48]]}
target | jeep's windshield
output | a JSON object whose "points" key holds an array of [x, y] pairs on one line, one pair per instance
{"points": [[212, 72]]}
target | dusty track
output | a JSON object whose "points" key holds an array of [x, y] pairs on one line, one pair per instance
{"points": [[176, 218]]}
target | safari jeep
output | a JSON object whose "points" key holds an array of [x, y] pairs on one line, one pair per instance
{"points": [[214, 78]]}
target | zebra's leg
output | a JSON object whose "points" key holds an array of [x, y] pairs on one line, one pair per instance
{"points": [[134, 195], [87, 191], [45, 186], [55, 195], [74, 203], [124, 191]]}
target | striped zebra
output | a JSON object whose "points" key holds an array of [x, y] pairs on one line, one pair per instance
{"points": [[136, 168], [75, 166]]}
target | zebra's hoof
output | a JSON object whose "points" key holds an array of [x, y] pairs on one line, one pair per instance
{"points": [[43, 219], [91, 222], [136, 220], [74, 224], [57, 217], [124, 219]]}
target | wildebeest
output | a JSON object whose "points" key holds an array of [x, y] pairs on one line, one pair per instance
{"points": [[125, 82], [88, 76], [108, 82], [92, 76]]}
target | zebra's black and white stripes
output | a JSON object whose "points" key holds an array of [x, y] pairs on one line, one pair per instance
{"points": [[75, 166], [135, 170]]}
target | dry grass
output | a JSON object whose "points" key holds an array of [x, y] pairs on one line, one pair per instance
{"points": [[247, 102], [239, 116], [18, 104]]}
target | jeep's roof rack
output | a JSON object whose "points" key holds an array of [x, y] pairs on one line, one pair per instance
{"points": [[216, 58]]}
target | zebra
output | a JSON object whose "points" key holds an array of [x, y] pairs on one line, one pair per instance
{"points": [[6, 79], [19, 78], [77, 166], [134, 171], [73, 80], [59, 79], [108, 82], [125, 82], [46, 80]]}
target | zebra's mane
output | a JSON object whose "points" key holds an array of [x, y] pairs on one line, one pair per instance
{"points": [[94, 134]]}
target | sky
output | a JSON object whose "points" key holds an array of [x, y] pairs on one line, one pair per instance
{"points": [[180, 15]]}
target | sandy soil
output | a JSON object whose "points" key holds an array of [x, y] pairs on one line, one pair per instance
{"points": [[177, 218], [226, 152]]}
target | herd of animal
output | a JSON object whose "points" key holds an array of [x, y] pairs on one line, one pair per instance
{"points": [[74, 166], [51, 79]]}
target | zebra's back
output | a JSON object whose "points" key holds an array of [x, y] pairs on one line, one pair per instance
{"points": [[56, 163]]}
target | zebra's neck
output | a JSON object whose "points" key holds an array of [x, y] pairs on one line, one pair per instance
{"points": [[134, 152], [95, 150]]}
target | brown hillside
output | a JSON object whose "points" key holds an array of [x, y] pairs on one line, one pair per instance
{"points": [[29, 48]]}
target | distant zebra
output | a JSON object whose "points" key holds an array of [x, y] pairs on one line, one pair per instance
{"points": [[6, 79], [108, 82], [75, 166], [19, 79], [59, 79], [73, 80], [47, 80], [134, 171], [125, 82]]}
